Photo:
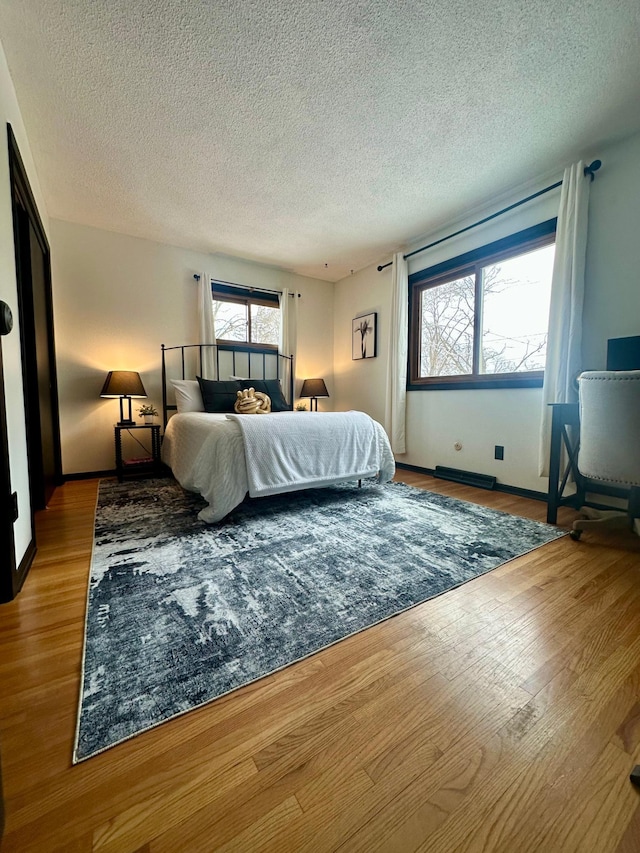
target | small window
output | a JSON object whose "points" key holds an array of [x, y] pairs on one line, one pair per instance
{"points": [[242, 316], [480, 320]]}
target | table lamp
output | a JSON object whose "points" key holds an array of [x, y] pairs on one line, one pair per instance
{"points": [[314, 388], [124, 384]]}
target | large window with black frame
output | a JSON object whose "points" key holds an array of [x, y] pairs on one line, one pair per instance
{"points": [[480, 320], [243, 315]]}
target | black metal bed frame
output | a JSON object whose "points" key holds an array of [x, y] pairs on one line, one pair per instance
{"points": [[234, 349]]}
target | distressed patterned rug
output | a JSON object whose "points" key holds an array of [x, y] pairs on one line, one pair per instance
{"points": [[180, 613]]}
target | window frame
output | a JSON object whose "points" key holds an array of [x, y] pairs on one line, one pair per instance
{"points": [[247, 297], [470, 263]]}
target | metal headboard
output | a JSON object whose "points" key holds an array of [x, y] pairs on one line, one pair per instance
{"points": [[283, 366]]}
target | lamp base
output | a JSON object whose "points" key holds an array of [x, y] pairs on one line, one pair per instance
{"points": [[128, 421]]}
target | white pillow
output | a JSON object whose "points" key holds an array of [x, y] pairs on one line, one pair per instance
{"points": [[241, 378], [188, 396]]}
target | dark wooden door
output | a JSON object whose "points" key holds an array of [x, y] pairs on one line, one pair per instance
{"points": [[37, 342], [43, 370]]}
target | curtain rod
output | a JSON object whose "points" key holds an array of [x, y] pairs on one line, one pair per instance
{"points": [[245, 286], [591, 169]]}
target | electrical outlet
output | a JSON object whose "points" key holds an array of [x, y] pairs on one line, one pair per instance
{"points": [[499, 452]]}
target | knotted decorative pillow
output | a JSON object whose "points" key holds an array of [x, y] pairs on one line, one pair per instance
{"points": [[252, 402]]}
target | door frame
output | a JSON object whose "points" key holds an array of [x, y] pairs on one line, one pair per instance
{"points": [[20, 187], [9, 578], [12, 576]]}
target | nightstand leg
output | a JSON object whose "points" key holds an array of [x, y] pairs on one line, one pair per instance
{"points": [[155, 444], [118, 440]]}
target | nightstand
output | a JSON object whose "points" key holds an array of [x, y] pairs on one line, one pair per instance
{"points": [[140, 467]]}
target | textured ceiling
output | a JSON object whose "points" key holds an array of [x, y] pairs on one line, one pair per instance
{"points": [[299, 132]]}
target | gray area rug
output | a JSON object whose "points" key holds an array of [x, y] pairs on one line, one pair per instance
{"points": [[180, 612]]}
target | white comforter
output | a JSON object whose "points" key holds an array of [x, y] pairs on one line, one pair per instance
{"points": [[208, 454]]}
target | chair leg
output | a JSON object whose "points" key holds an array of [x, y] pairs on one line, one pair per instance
{"points": [[610, 519]]}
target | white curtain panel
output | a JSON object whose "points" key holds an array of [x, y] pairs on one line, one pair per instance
{"points": [[206, 326], [396, 403], [287, 344], [564, 342]]}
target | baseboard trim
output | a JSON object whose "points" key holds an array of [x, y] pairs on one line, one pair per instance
{"points": [[27, 557], [25, 564], [522, 493], [90, 475], [467, 478], [499, 487]]}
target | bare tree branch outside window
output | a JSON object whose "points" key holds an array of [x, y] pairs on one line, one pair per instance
{"points": [[510, 343], [231, 321]]}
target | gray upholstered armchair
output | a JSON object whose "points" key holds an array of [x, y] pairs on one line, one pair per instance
{"points": [[610, 442]]}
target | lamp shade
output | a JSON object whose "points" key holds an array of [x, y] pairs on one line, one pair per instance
{"points": [[123, 383], [314, 388]]}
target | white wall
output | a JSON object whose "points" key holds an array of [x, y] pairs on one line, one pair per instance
{"points": [[118, 298], [612, 300], [361, 384], [480, 419], [10, 112]]}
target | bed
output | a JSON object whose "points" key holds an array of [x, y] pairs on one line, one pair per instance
{"points": [[224, 456]]}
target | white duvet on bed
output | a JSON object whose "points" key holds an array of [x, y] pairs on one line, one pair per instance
{"points": [[206, 453]]}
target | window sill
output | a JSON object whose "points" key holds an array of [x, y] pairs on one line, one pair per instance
{"points": [[244, 346], [474, 383]]}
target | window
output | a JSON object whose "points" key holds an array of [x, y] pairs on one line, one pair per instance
{"points": [[480, 320], [248, 316]]}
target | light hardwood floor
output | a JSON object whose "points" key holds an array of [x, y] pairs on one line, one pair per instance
{"points": [[501, 716]]}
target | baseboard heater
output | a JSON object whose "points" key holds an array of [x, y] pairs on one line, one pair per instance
{"points": [[468, 478]]}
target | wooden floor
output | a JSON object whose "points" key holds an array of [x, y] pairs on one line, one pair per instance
{"points": [[501, 716]]}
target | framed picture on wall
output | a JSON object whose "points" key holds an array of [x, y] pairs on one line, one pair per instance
{"points": [[364, 336]]}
